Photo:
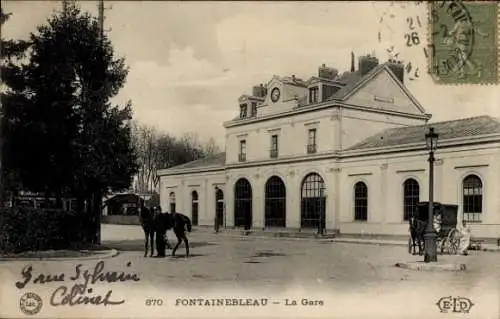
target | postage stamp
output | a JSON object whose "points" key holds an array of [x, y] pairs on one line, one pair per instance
{"points": [[464, 42]]}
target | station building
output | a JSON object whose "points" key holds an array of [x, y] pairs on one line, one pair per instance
{"points": [[343, 150]]}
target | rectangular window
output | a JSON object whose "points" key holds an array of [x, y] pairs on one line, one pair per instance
{"points": [[243, 151], [274, 146], [472, 206], [311, 141], [243, 110], [254, 109], [313, 95]]}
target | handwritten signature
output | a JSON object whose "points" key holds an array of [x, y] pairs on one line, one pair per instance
{"points": [[78, 293]]}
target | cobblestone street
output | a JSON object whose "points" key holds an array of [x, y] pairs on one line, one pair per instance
{"points": [[276, 263], [353, 280]]}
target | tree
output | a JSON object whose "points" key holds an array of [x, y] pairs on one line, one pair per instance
{"points": [[145, 139], [11, 52], [210, 147], [68, 139], [156, 151]]}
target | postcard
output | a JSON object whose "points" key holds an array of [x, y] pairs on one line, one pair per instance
{"points": [[250, 159]]}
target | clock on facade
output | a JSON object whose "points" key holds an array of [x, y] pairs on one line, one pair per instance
{"points": [[275, 95]]}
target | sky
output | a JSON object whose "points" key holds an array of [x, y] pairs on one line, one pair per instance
{"points": [[190, 61]]}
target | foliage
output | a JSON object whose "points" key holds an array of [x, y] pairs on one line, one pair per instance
{"points": [[30, 229], [11, 52], [64, 136], [155, 150]]}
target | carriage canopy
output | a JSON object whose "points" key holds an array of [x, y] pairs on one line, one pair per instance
{"points": [[446, 212]]}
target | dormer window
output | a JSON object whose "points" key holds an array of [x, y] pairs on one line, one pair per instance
{"points": [[313, 95], [254, 109], [243, 111]]}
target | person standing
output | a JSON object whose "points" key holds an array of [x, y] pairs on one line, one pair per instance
{"points": [[464, 231], [160, 232]]}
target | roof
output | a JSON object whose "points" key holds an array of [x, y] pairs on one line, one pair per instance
{"points": [[352, 80], [473, 126], [348, 81], [216, 160], [124, 198]]}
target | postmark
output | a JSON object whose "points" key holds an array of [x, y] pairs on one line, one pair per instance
{"points": [[463, 42], [30, 303]]}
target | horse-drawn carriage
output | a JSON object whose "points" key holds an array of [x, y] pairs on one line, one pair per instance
{"points": [[445, 224]]}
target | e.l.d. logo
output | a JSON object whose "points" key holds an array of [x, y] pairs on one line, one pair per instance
{"points": [[30, 303], [454, 304]]}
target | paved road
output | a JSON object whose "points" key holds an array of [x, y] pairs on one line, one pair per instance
{"points": [[362, 278], [255, 262]]}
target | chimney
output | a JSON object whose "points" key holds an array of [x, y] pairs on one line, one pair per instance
{"points": [[293, 77], [325, 72], [259, 91], [398, 68], [352, 61], [367, 63]]}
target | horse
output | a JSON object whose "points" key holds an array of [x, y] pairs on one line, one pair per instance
{"points": [[147, 220], [179, 223], [417, 230]]}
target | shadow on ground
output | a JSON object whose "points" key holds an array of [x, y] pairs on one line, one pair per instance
{"points": [[138, 244], [178, 255], [267, 253]]}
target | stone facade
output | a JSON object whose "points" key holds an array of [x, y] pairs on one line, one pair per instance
{"points": [[370, 129]]}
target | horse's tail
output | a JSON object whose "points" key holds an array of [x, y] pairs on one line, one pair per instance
{"points": [[188, 224]]}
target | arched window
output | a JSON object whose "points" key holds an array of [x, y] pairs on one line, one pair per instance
{"points": [[360, 202], [194, 208], [243, 204], [219, 206], [472, 198], [313, 202], [275, 203], [411, 197], [171, 197]]}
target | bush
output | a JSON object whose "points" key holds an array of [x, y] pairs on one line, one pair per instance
{"points": [[32, 229]]}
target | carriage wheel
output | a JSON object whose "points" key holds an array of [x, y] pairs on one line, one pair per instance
{"points": [[453, 242], [443, 243]]}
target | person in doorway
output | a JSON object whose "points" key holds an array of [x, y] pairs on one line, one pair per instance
{"points": [[464, 231], [160, 233], [165, 237]]}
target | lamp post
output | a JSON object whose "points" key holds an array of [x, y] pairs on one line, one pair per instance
{"points": [[321, 226], [431, 139], [216, 219]]}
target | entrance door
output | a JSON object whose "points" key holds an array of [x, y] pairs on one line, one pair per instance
{"points": [[219, 207], [243, 204], [275, 207], [194, 208], [313, 201]]}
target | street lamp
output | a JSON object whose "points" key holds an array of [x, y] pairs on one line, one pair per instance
{"points": [[216, 219], [430, 235]]}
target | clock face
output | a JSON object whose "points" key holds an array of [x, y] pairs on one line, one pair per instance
{"points": [[275, 95]]}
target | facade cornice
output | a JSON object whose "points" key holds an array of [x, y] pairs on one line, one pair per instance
{"points": [[194, 170], [423, 116], [321, 106]]}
